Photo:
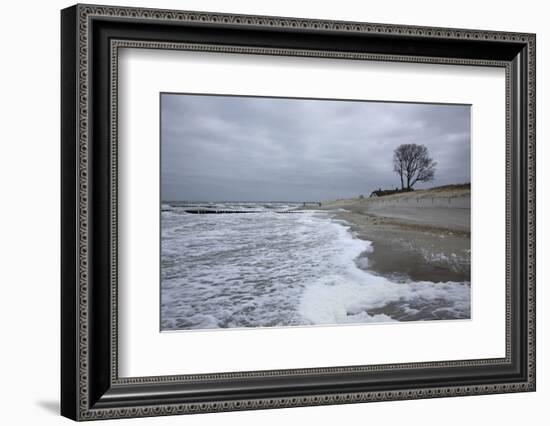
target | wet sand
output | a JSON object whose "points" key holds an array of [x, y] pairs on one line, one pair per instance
{"points": [[419, 236]]}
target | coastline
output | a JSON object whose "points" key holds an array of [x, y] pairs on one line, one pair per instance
{"points": [[362, 260], [419, 236]]}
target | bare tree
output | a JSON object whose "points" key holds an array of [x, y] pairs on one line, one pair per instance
{"points": [[413, 164]]}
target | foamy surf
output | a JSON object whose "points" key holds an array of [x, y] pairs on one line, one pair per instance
{"points": [[273, 270], [337, 300], [355, 295]]}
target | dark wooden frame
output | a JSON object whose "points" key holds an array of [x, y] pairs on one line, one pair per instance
{"points": [[90, 386]]}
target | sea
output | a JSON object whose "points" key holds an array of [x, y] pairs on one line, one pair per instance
{"points": [[274, 265]]}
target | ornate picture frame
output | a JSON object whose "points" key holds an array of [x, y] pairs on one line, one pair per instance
{"points": [[91, 37]]}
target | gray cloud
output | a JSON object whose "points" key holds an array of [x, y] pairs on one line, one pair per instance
{"points": [[228, 148]]}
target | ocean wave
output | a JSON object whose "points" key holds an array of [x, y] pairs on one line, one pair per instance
{"points": [[337, 300], [237, 206], [352, 294], [276, 270]]}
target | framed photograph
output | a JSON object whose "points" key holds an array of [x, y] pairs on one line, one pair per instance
{"points": [[263, 212]]}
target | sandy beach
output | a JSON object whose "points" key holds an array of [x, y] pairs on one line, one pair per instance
{"points": [[422, 235]]}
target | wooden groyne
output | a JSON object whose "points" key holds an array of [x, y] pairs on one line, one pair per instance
{"points": [[206, 211]]}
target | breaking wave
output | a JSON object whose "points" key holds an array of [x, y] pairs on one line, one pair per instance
{"points": [[269, 269]]}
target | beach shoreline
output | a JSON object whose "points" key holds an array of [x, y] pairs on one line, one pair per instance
{"points": [[418, 236], [359, 260]]}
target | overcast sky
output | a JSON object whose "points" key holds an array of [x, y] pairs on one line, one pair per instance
{"points": [[226, 148]]}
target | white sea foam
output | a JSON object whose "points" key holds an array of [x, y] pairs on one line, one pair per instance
{"points": [[271, 269], [337, 299], [351, 293]]}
